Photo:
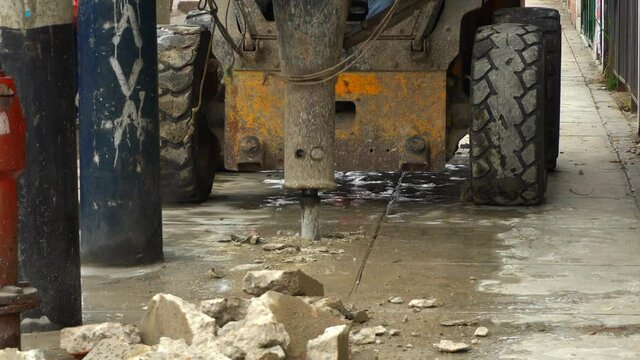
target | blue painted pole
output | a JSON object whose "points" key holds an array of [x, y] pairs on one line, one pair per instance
{"points": [[120, 211]]}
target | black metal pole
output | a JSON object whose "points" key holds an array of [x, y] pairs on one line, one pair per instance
{"points": [[36, 48], [120, 211]]}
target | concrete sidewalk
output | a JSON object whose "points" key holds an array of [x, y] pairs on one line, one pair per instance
{"points": [[559, 281]]}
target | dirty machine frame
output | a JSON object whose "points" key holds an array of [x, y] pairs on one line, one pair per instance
{"points": [[439, 70]]}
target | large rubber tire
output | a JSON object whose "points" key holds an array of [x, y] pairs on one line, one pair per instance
{"points": [[188, 148], [548, 21], [508, 163]]}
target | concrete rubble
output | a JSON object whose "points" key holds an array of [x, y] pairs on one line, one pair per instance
{"points": [[481, 332], [448, 346], [80, 340], [15, 354], [170, 316], [423, 303], [273, 326], [116, 349], [291, 282], [333, 344], [225, 310]]}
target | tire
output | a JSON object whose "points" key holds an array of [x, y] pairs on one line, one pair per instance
{"points": [[508, 163], [548, 21], [188, 148]]}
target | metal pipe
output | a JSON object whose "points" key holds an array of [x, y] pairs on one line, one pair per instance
{"points": [[310, 219], [310, 39], [120, 209]]}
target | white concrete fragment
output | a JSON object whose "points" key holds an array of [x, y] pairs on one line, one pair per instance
{"points": [[363, 336], [481, 332], [272, 353], [225, 310], [449, 346], [330, 305], [276, 247], [290, 282], [116, 349], [80, 340], [394, 332], [423, 303], [380, 330], [333, 344], [396, 300], [170, 316], [279, 319], [15, 354]]}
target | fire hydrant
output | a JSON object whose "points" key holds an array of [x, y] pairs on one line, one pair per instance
{"points": [[15, 297]]}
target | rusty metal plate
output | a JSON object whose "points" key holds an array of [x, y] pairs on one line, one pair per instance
{"points": [[386, 121]]}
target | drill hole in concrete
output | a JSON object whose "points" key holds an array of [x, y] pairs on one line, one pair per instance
{"points": [[299, 154]]}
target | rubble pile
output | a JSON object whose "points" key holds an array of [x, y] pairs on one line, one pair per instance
{"points": [[287, 317]]}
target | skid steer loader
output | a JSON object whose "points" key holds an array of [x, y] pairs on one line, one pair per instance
{"points": [[433, 71]]}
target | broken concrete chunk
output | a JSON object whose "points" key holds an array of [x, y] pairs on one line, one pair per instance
{"points": [[15, 354], [449, 346], [80, 340], [394, 332], [333, 344], [170, 316], [291, 318], [380, 330], [481, 332], [116, 349], [225, 310], [459, 322], [272, 353], [367, 354], [276, 247], [363, 336], [330, 305], [290, 282], [395, 300], [423, 303], [252, 338]]}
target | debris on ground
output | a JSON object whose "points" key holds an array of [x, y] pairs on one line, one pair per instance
{"points": [[380, 330], [481, 332], [214, 274], [280, 247], [333, 344], [253, 239], [423, 303], [363, 336], [225, 310], [449, 346], [291, 282], [170, 316], [80, 340], [288, 317], [116, 349], [459, 322], [15, 354]]}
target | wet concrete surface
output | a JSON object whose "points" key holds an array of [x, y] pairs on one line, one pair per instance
{"points": [[559, 281]]}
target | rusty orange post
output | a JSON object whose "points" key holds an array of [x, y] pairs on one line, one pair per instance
{"points": [[14, 298]]}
